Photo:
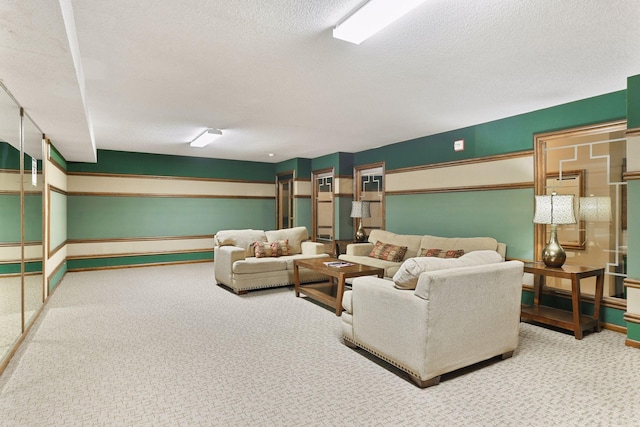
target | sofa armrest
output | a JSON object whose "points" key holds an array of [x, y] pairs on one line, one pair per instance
{"points": [[359, 249], [224, 257], [312, 248], [391, 322]]}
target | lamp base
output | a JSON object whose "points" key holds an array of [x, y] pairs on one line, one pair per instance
{"points": [[361, 235], [553, 255]]}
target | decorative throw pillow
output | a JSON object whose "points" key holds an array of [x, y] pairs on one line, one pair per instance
{"points": [[430, 252], [280, 248], [388, 252], [441, 253], [262, 249], [271, 249]]}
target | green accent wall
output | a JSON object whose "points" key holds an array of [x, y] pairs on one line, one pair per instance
{"points": [[58, 219], [503, 214], [633, 331], [103, 217], [57, 277], [33, 217], [633, 102], [57, 157], [342, 220], [302, 213], [10, 218], [9, 156], [509, 135], [120, 162]]}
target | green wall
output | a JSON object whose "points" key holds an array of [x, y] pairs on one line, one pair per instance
{"points": [[105, 217], [119, 162], [505, 215], [58, 217]]}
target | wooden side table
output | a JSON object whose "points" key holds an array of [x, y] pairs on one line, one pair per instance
{"points": [[575, 320]]}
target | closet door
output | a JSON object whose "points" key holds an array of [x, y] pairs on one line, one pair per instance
{"points": [[10, 225]]}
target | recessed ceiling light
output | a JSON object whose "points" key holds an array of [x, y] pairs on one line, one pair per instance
{"points": [[206, 137], [271, 154], [372, 17]]}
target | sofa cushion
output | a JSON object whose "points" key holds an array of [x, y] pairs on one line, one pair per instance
{"points": [[295, 236], [441, 253], [412, 242], [407, 275], [388, 252], [259, 265], [241, 238]]}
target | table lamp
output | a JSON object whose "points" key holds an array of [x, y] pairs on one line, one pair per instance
{"points": [[554, 209], [360, 210]]}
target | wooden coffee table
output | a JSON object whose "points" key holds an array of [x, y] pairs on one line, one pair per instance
{"points": [[330, 292]]}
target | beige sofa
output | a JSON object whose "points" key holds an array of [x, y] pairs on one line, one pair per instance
{"points": [[359, 252], [454, 318], [237, 267]]}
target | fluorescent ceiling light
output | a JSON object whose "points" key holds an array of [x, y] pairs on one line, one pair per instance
{"points": [[371, 18], [206, 137]]}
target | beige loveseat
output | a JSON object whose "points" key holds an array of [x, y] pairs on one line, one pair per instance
{"points": [[237, 267], [454, 318], [359, 252]]}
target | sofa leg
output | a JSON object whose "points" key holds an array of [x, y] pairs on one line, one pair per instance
{"points": [[242, 292], [349, 343], [425, 383], [507, 355]]}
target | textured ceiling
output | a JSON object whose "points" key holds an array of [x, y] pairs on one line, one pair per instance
{"points": [[155, 73]]}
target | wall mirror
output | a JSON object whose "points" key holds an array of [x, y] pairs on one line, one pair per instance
{"points": [[11, 225], [284, 206], [594, 155], [33, 283], [369, 183], [322, 207]]}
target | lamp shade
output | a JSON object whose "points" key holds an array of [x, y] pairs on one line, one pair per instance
{"points": [[360, 209], [595, 209], [554, 209]]}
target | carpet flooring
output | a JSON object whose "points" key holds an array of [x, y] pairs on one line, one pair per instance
{"points": [[165, 346]]}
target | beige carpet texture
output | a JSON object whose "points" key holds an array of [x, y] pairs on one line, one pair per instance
{"points": [[166, 346]]}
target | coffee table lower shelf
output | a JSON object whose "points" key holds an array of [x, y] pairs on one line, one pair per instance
{"points": [[556, 317], [323, 292]]}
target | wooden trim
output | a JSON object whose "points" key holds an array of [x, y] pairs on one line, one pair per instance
{"points": [[632, 343], [56, 249], [150, 264], [485, 159], [512, 186], [130, 254], [632, 283], [632, 318], [615, 328], [12, 244], [631, 176], [177, 196], [302, 179], [165, 177], [632, 132], [57, 190], [139, 239]]}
